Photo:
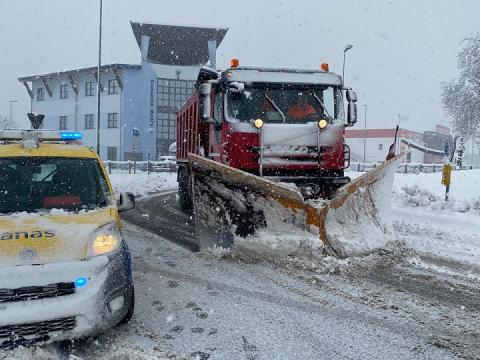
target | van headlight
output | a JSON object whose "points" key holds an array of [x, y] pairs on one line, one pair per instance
{"points": [[105, 240]]}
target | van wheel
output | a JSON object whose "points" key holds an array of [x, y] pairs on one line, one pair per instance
{"points": [[184, 190], [130, 298]]}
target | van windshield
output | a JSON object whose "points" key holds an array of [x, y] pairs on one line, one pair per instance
{"points": [[32, 184]]}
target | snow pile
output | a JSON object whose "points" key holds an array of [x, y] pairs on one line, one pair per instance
{"points": [[46, 352], [142, 183], [416, 196], [249, 222], [284, 233], [465, 184]]}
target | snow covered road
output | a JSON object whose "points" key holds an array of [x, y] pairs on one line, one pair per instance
{"points": [[420, 299], [196, 306]]}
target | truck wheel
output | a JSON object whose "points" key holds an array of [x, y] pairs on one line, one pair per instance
{"points": [[131, 305], [184, 190]]}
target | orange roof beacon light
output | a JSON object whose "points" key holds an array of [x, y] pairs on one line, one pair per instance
{"points": [[324, 67], [234, 63]]}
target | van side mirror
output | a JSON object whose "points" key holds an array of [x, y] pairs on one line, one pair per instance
{"points": [[352, 107], [126, 201], [205, 106]]}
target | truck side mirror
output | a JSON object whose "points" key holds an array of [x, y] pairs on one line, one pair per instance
{"points": [[236, 87], [351, 95], [205, 106], [352, 113], [352, 107]]}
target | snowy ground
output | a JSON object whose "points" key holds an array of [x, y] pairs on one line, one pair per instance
{"points": [[418, 299], [428, 224], [422, 219], [421, 216], [196, 306], [142, 183]]}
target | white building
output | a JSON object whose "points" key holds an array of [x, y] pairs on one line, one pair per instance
{"points": [[138, 102], [372, 145]]}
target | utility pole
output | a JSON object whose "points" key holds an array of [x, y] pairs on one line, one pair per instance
{"points": [[98, 76], [365, 135], [347, 47]]}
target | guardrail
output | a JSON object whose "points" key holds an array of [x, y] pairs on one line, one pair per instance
{"points": [[145, 166], [169, 166], [409, 168]]}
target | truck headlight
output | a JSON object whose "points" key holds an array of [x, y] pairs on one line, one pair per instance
{"points": [[105, 239], [322, 123], [258, 123]]}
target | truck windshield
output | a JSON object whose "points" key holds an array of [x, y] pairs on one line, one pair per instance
{"points": [[277, 104], [32, 184]]}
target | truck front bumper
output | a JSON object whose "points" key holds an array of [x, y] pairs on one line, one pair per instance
{"points": [[314, 186]]}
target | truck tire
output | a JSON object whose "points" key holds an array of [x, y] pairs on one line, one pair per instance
{"points": [[184, 192]]}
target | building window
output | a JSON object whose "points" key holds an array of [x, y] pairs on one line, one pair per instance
{"points": [[63, 123], [113, 86], [113, 120], [40, 95], [89, 121], [380, 146], [171, 94], [112, 153], [89, 88], [63, 92]]}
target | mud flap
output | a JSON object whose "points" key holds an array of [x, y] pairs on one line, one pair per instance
{"points": [[235, 207]]}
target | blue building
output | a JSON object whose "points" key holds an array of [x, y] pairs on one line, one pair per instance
{"points": [[138, 101]]}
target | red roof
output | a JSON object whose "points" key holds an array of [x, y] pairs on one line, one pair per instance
{"points": [[380, 133]]}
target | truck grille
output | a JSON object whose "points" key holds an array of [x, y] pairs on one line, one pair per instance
{"points": [[15, 335], [36, 292]]}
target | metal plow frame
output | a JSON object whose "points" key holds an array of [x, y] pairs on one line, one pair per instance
{"points": [[310, 216]]}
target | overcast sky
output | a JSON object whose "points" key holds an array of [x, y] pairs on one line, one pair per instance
{"points": [[403, 49]]}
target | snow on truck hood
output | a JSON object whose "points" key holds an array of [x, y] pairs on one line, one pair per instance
{"points": [[56, 236]]}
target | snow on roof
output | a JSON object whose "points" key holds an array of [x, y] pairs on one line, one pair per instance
{"points": [[105, 68], [250, 74], [177, 44], [422, 148]]}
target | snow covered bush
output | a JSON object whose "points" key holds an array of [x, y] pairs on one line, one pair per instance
{"points": [[416, 196]]}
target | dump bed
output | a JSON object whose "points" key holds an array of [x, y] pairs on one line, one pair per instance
{"points": [[188, 128]]}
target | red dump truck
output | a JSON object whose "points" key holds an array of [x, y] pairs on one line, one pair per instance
{"points": [[285, 125]]}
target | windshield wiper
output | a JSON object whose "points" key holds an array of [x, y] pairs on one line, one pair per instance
{"points": [[275, 106], [323, 106]]}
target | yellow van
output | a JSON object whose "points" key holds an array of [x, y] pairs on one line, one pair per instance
{"points": [[65, 270]]}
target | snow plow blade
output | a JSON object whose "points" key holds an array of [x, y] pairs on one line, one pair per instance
{"points": [[236, 208]]}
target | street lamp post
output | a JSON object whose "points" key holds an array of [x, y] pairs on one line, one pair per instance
{"points": [[365, 135], [347, 47], [11, 110], [98, 76]]}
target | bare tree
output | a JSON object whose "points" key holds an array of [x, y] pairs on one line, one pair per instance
{"points": [[6, 123], [461, 97], [476, 138]]}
